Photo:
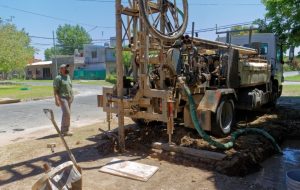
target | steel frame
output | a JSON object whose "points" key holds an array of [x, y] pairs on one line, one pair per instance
{"points": [[130, 27]]}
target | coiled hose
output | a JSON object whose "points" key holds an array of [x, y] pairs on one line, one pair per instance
{"points": [[154, 31], [234, 136]]}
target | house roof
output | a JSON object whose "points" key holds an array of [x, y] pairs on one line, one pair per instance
{"points": [[41, 63]]}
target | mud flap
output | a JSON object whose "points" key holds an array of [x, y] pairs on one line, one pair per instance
{"points": [[204, 117], [211, 98]]}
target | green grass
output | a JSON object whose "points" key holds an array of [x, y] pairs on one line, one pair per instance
{"points": [[21, 80], [295, 78], [87, 82], [291, 90], [33, 92]]}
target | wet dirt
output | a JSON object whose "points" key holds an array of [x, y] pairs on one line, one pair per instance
{"points": [[273, 174], [244, 158]]}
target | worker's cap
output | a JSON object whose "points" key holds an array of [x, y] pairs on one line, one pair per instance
{"points": [[64, 66]]}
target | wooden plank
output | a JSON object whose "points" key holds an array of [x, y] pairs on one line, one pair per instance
{"points": [[120, 74], [129, 169], [189, 151]]}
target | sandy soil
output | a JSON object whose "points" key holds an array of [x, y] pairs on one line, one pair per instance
{"points": [[21, 161], [21, 165]]}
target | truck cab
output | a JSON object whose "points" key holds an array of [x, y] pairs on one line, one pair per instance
{"points": [[268, 47]]}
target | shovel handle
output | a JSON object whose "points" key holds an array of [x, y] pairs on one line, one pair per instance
{"points": [[50, 115]]}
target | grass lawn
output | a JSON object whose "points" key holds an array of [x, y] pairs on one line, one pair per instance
{"points": [[291, 90], [25, 92], [295, 78], [22, 81], [88, 82], [36, 92]]}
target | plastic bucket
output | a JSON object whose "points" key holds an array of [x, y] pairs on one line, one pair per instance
{"points": [[293, 180]]}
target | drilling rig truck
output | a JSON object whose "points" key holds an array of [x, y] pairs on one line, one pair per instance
{"points": [[176, 77]]}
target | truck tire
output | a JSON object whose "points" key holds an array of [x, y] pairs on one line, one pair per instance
{"points": [[275, 95], [224, 118]]}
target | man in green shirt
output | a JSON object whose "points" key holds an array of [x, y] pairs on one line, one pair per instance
{"points": [[63, 95]]}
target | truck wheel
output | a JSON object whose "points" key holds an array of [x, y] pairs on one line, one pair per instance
{"points": [[224, 118], [275, 95]]}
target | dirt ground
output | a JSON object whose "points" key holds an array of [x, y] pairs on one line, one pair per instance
{"points": [[21, 161]]}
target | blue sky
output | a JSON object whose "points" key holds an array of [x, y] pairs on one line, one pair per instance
{"points": [[91, 13]]}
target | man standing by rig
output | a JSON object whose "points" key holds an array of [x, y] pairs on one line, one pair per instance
{"points": [[63, 95]]}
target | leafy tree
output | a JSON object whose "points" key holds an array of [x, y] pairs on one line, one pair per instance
{"points": [[263, 27], [285, 20], [71, 37], [126, 58], [49, 53], [246, 32], [15, 51]]}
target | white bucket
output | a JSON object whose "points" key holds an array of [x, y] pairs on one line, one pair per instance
{"points": [[293, 180]]}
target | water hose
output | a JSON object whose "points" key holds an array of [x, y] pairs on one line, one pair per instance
{"points": [[234, 136], [157, 33]]}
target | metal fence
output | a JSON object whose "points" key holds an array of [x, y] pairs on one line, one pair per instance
{"points": [[89, 75]]}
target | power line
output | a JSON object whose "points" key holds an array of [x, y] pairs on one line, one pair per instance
{"points": [[101, 1], [222, 27], [62, 46], [51, 38], [92, 29], [200, 30], [226, 4], [52, 17], [40, 44], [41, 37], [192, 4]]}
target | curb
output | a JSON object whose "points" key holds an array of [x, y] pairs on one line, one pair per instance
{"points": [[9, 100]]}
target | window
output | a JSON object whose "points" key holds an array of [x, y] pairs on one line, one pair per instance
{"points": [[264, 49], [46, 72], [94, 54], [279, 54]]}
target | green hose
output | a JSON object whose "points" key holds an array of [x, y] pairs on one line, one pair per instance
{"points": [[234, 135]]}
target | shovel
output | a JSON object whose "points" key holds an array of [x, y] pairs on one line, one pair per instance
{"points": [[78, 184]]}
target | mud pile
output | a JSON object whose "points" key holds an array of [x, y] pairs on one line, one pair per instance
{"points": [[244, 158]]}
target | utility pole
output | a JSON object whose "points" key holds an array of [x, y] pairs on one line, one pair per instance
{"points": [[54, 46]]}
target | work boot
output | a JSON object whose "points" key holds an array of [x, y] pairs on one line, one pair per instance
{"points": [[67, 133]]}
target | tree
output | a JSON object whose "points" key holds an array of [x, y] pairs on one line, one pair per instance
{"points": [[15, 51], [245, 32], [49, 53], [126, 58], [263, 27], [71, 37], [285, 20]]}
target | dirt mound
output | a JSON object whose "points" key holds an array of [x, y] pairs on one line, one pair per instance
{"points": [[244, 158]]}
